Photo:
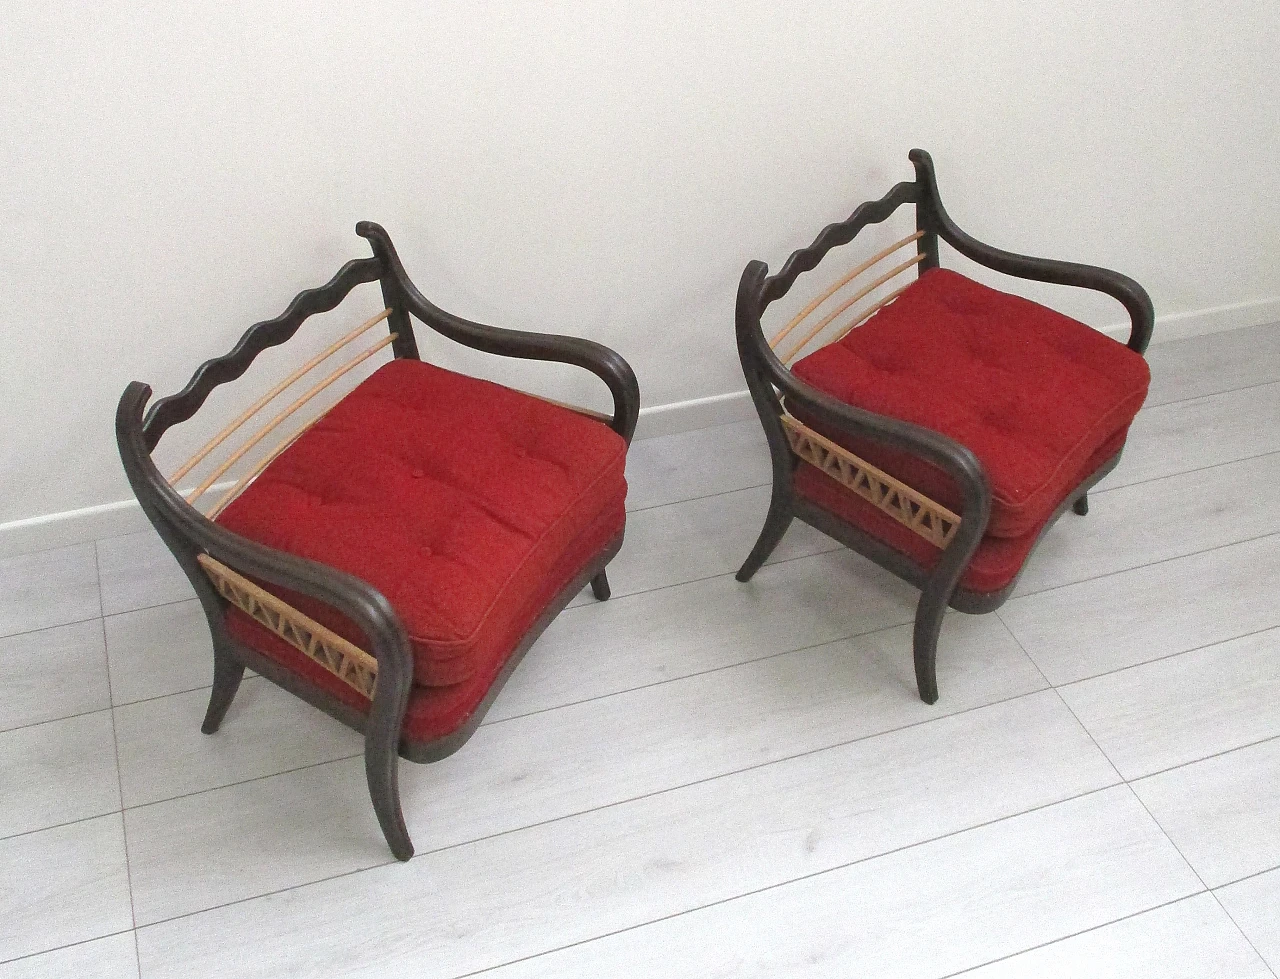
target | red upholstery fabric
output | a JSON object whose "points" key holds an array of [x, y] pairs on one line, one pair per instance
{"points": [[995, 563], [462, 501], [1033, 393], [437, 711]]}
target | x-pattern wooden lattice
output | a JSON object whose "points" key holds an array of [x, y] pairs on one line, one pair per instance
{"points": [[348, 662], [931, 520]]}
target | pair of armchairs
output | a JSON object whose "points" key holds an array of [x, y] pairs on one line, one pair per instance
{"points": [[391, 560]]}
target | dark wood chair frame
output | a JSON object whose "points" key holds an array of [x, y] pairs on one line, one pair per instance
{"points": [[191, 536], [771, 383]]}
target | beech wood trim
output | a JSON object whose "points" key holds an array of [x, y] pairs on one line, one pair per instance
{"points": [[867, 313], [931, 520], [275, 422], [860, 294], [257, 406], [345, 660], [800, 316], [256, 471]]}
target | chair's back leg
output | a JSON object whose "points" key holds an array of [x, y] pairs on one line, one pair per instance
{"points": [[776, 523], [600, 586]]}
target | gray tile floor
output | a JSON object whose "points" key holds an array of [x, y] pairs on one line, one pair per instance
{"points": [[702, 778]]}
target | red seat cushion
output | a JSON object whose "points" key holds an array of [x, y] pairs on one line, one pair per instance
{"points": [[1033, 393], [465, 503], [434, 712]]}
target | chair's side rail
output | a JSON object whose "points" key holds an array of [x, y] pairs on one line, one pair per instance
{"points": [[345, 660], [176, 408], [911, 508], [1122, 288], [606, 364], [192, 536]]}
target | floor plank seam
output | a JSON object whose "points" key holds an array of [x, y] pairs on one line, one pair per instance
{"points": [[1243, 934], [1139, 567], [55, 720], [115, 745], [1075, 934], [1216, 754], [266, 894], [1167, 656], [50, 628], [657, 792], [244, 781], [695, 499], [115, 742], [1212, 394], [800, 879], [1062, 700], [59, 948], [1093, 494], [1256, 873]]}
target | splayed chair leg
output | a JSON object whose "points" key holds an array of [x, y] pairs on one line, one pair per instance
{"points": [[929, 613], [1081, 505], [227, 673], [600, 586], [382, 770], [775, 525]]}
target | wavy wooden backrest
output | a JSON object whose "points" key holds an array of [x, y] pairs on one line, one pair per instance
{"points": [[348, 662], [834, 236]]}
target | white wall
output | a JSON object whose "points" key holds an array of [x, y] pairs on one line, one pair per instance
{"points": [[170, 173]]}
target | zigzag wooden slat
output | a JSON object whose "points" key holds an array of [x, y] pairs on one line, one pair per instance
{"points": [[931, 520], [348, 662]]}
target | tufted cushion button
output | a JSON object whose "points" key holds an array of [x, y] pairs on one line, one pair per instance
{"points": [[418, 474], [521, 451]]}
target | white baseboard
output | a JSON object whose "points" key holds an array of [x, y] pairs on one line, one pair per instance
{"points": [[78, 526], [1202, 322], [687, 416], [125, 516]]}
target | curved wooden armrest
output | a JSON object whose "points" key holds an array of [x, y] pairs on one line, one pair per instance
{"points": [[594, 357], [191, 535], [1120, 287]]}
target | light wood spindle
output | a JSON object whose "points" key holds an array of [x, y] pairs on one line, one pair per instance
{"points": [[257, 406], [867, 313], [860, 294], [256, 471], [800, 316], [271, 425]]}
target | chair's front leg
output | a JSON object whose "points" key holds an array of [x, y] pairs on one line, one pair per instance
{"points": [[942, 581], [383, 731]]}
